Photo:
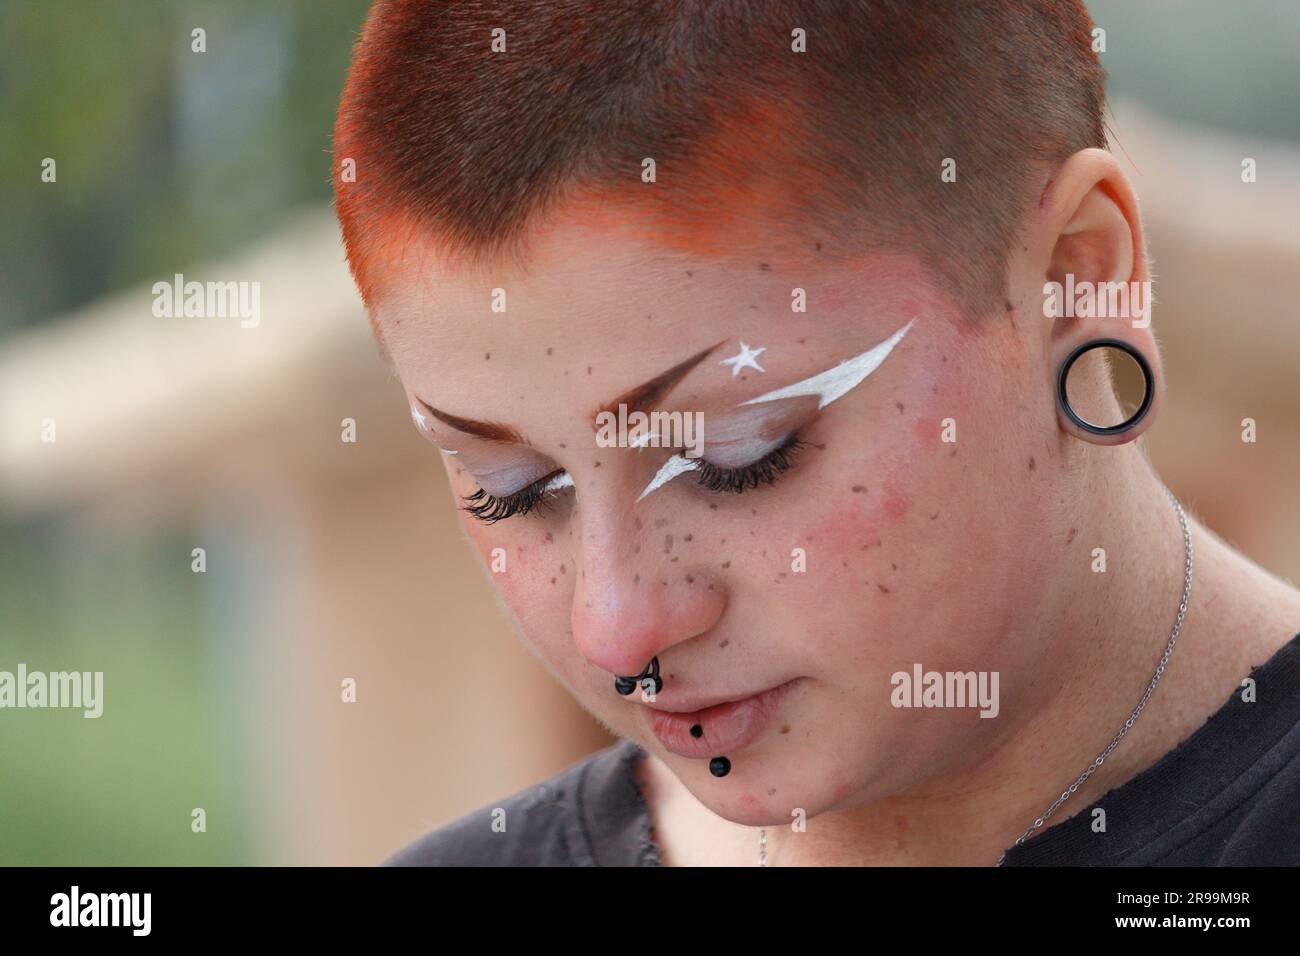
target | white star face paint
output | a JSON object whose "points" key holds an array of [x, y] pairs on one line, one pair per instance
{"points": [[744, 359], [839, 381]]}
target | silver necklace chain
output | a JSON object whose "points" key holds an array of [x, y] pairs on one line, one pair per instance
{"points": [[1128, 724]]}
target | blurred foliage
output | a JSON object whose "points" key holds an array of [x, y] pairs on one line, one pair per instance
{"points": [[165, 157], [117, 789]]}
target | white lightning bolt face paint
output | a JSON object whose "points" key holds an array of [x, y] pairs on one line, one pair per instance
{"points": [[559, 482], [839, 381], [825, 386], [674, 466]]}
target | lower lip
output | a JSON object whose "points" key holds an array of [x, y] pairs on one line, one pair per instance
{"points": [[727, 727]]}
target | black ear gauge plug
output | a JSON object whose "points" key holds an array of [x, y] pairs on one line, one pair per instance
{"points": [[719, 766], [649, 680]]}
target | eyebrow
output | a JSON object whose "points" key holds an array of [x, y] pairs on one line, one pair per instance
{"points": [[643, 397], [490, 431], [638, 399]]}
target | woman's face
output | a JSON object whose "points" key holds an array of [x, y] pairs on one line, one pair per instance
{"points": [[906, 526]]}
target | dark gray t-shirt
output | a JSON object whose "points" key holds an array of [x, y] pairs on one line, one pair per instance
{"points": [[1225, 796]]}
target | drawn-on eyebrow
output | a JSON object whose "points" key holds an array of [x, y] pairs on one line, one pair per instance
{"points": [[490, 431], [645, 397]]}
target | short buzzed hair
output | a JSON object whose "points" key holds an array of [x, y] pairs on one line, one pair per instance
{"points": [[837, 150]]}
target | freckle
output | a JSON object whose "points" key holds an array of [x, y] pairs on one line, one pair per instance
{"points": [[877, 542], [665, 584], [785, 729], [588, 369], [1031, 463], [802, 341], [688, 537], [772, 792], [883, 589], [819, 447], [673, 559], [552, 580], [844, 564], [690, 274], [487, 356], [668, 543], [689, 579], [638, 524], [933, 516], [899, 406], [713, 507], [764, 267], [945, 358], [952, 453], [596, 465], [1070, 536], [725, 643], [549, 537], [661, 523], [1010, 307], [549, 350], [561, 569], [892, 566], [636, 579], [726, 564], [765, 552], [710, 587], [587, 603], [636, 549], [858, 489], [754, 512], [562, 444], [753, 307], [781, 574], [723, 541]]}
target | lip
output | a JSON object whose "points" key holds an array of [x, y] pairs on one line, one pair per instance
{"points": [[728, 727]]}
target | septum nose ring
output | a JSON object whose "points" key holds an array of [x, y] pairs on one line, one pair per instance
{"points": [[649, 680]]}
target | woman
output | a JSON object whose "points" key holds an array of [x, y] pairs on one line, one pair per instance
{"points": [[763, 344]]}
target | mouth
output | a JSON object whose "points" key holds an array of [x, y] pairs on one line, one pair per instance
{"points": [[725, 727]]}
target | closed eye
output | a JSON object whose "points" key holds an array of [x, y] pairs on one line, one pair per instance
{"points": [[764, 471], [492, 508]]}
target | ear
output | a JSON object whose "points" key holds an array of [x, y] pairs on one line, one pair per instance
{"points": [[1096, 281]]}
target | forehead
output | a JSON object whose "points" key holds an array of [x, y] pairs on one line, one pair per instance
{"points": [[594, 310]]}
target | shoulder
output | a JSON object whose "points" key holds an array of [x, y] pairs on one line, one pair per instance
{"points": [[547, 824]]}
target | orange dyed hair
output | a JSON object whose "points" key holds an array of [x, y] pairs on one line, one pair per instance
{"points": [[838, 149]]}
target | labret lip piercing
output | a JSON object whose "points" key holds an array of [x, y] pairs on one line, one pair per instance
{"points": [[652, 683]]}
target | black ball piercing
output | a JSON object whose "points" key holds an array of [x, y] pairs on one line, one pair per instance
{"points": [[697, 730], [648, 679], [719, 766]]}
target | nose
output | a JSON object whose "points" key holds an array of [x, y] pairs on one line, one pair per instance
{"points": [[632, 602]]}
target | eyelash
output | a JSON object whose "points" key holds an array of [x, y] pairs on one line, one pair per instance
{"points": [[765, 471]]}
